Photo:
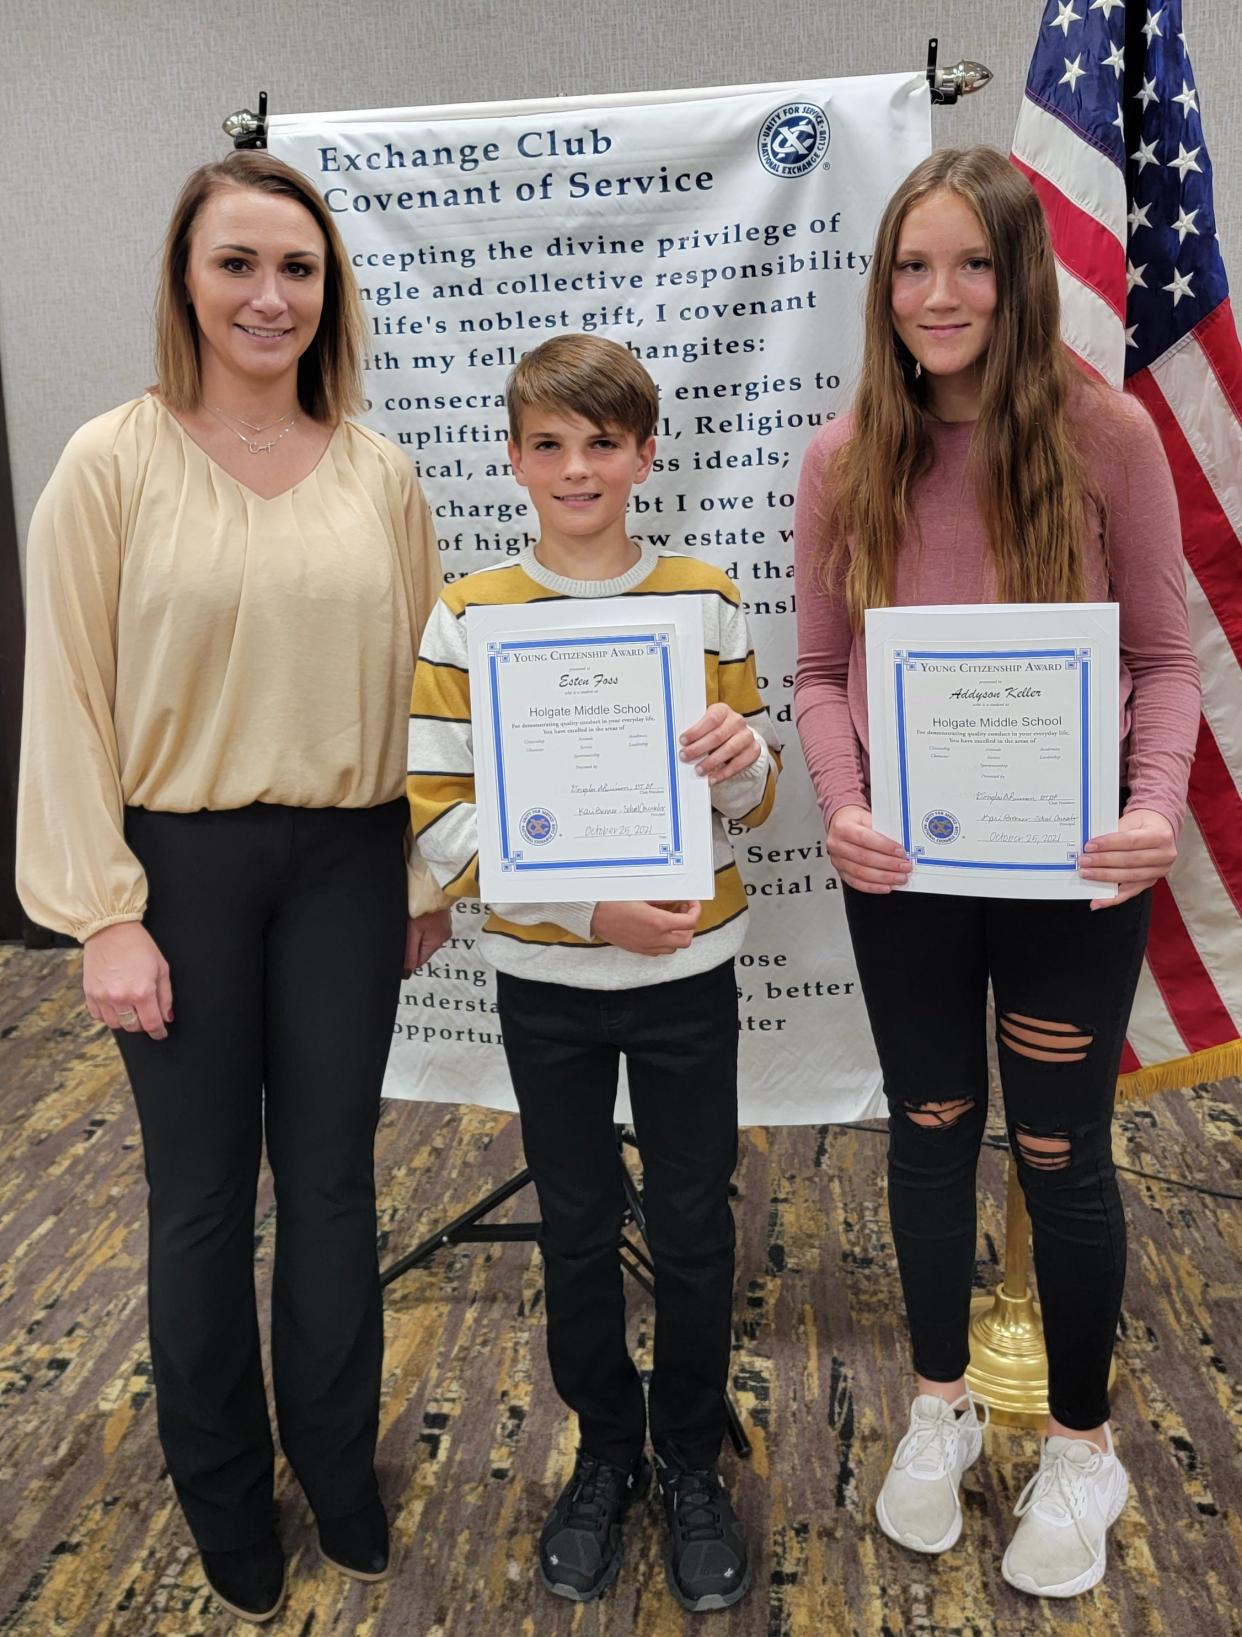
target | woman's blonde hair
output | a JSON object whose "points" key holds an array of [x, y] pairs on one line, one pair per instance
{"points": [[1031, 483], [329, 371]]}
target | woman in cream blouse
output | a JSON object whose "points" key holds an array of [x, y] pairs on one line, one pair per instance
{"points": [[227, 582]]}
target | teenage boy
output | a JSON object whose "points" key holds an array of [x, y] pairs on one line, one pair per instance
{"points": [[578, 984]]}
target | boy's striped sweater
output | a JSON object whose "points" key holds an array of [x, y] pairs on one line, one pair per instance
{"points": [[552, 942]]}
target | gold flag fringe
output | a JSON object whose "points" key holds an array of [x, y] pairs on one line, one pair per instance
{"points": [[1217, 1063]]}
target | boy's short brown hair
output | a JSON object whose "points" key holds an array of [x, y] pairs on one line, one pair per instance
{"points": [[584, 375]]}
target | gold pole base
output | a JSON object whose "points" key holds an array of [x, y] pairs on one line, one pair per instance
{"points": [[1008, 1367]]}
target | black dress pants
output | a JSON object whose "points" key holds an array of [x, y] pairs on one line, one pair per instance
{"points": [[680, 1045], [284, 932]]}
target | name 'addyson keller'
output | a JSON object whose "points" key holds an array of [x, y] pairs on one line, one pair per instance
{"points": [[982, 695]]}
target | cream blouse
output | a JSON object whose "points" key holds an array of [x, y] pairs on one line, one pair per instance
{"points": [[192, 645]]}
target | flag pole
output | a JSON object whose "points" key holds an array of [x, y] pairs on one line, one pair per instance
{"points": [[1008, 1367]]}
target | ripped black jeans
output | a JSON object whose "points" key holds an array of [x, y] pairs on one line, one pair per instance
{"points": [[1063, 977]]}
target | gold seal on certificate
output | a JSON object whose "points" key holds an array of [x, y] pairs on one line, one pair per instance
{"points": [[994, 743], [581, 791]]}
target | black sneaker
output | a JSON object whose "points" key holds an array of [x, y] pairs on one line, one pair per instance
{"points": [[705, 1557], [580, 1547], [250, 1582]]}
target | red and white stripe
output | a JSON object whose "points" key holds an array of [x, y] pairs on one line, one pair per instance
{"points": [[1084, 198], [1190, 993]]}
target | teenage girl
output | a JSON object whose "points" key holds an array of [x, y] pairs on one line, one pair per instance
{"points": [[980, 464]]}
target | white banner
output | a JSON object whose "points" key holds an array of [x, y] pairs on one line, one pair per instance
{"points": [[723, 236]]}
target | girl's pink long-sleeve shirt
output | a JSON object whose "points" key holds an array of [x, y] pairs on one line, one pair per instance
{"points": [[945, 559]]}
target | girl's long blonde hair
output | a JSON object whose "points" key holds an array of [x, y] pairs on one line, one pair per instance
{"points": [[1030, 480]]}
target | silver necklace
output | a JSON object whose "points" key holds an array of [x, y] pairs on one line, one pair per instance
{"points": [[252, 444], [242, 421]]}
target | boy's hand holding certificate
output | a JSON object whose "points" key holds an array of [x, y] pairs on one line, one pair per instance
{"points": [[994, 745], [580, 787]]}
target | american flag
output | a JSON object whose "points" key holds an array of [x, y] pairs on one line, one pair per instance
{"points": [[1111, 136]]}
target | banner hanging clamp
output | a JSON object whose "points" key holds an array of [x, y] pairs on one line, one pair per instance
{"points": [[248, 130], [948, 84]]}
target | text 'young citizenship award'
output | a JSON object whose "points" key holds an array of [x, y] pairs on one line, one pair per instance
{"points": [[578, 708], [994, 743]]}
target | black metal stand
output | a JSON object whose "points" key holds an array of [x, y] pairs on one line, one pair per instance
{"points": [[470, 1229]]}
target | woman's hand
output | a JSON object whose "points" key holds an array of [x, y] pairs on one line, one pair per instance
{"points": [[1138, 853], [423, 936], [721, 744], [864, 859], [646, 929], [125, 980]]}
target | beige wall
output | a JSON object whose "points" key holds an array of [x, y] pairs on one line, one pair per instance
{"points": [[106, 104]]}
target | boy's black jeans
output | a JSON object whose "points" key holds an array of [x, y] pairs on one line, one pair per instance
{"points": [[680, 1043], [1063, 977]]}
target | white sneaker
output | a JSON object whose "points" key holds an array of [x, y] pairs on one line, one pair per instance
{"points": [[918, 1506], [1058, 1549]]}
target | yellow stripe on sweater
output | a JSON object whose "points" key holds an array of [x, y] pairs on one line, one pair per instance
{"points": [[492, 587], [441, 692], [763, 806], [432, 794]]}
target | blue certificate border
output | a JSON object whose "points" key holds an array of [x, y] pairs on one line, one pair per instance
{"points": [[1078, 659], [670, 853]]}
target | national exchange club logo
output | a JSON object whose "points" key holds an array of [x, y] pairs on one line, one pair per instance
{"points": [[537, 826], [941, 826], [793, 139]]}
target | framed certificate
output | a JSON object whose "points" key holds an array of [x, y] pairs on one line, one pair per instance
{"points": [[578, 707], [994, 743]]}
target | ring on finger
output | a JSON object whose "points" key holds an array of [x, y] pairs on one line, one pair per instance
{"points": [[128, 1016]]}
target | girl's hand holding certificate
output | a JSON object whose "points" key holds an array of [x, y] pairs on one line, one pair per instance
{"points": [[1140, 852], [861, 856]]}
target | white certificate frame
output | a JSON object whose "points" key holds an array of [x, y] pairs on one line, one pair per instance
{"points": [[506, 873], [1075, 636]]}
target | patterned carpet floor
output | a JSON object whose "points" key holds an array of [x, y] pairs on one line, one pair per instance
{"points": [[474, 1444]]}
